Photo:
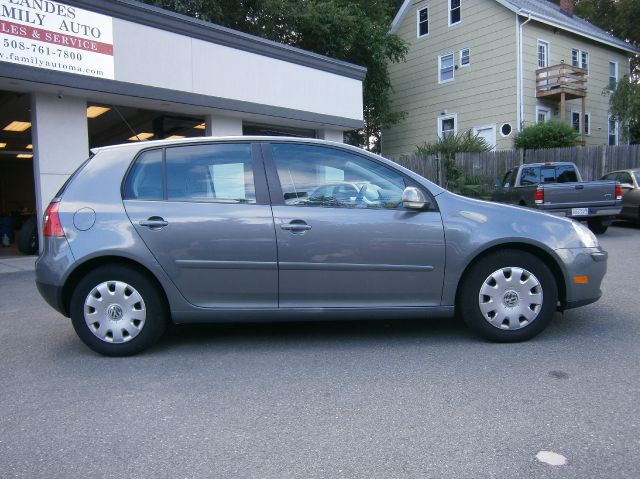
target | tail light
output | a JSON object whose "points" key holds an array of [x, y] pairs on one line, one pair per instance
{"points": [[52, 225], [539, 196], [618, 192]]}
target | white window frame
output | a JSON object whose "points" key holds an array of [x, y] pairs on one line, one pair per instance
{"points": [[449, 15], [580, 126], [580, 54], [617, 74], [548, 59], [463, 65], [449, 116], [616, 132], [543, 109], [418, 22], [453, 66]]}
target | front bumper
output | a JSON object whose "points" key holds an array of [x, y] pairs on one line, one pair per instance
{"points": [[584, 271]]}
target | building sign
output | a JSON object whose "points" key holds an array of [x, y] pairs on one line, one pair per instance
{"points": [[55, 36]]}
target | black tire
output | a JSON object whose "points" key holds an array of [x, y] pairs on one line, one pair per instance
{"points": [[468, 301], [28, 240], [597, 227], [155, 322]]}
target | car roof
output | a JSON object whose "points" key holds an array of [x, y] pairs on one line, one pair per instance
{"points": [[628, 170]]}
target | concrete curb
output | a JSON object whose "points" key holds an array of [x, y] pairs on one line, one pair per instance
{"points": [[18, 264]]}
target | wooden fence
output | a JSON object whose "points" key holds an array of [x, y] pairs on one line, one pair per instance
{"points": [[592, 161]]}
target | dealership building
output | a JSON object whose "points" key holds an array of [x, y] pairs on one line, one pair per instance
{"points": [[83, 74]]}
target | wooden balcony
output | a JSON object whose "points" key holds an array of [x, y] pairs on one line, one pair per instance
{"points": [[561, 82]]}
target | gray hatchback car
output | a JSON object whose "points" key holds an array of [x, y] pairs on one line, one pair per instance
{"points": [[263, 228]]}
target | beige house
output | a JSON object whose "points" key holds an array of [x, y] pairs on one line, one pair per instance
{"points": [[493, 66]]}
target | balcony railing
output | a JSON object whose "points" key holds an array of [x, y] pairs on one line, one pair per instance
{"points": [[554, 81]]}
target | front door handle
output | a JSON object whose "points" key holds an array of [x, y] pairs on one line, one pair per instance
{"points": [[154, 222], [296, 226]]}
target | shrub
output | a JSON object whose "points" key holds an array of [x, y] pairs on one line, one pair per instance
{"points": [[550, 134]]}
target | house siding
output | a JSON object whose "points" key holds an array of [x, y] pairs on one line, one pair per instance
{"points": [[561, 44], [482, 93]]}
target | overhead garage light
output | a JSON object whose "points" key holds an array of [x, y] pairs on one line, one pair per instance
{"points": [[96, 111], [141, 136], [18, 126], [175, 137], [24, 155], [201, 126], [29, 146], [3, 145]]}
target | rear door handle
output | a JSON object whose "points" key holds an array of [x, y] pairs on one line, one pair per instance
{"points": [[296, 226], [154, 222]]}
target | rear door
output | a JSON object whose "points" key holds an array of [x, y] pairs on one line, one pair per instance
{"points": [[344, 239], [203, 211]]}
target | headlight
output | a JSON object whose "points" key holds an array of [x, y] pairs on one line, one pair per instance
{"points": [[587, 238]]}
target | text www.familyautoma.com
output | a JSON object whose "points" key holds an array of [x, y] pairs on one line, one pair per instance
{"points": [[32, 60]]}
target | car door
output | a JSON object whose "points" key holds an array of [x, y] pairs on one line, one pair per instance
{"points": [[203, 212], [358, 248]]}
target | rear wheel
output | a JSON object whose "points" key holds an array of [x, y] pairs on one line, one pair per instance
{"points": [[597, 227], [508, 296], [117, 311], [28, 240]]}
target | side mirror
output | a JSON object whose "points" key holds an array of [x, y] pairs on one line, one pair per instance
{"points": [[414, 199]]}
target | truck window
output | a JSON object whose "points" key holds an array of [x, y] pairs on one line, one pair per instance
{"points": [[507, 181], [547, 174], [566, 174], [530, 176]]}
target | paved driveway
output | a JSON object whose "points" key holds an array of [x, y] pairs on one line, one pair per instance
{"points": [[365, 399]]}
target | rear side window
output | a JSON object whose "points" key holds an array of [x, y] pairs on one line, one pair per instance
{"points": [[145, 178], [221, 173]]}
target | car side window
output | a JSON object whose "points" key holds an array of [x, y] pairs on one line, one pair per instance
{"points": [[218, 173], [144, 181], [625, 178], [320, 176], [506, 181]]}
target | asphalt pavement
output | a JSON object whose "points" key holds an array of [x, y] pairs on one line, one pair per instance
{"points": [[327, 400]]}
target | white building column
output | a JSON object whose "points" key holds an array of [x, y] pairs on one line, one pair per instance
{"points": [[217, 125], [330, 134], [60, 138]]}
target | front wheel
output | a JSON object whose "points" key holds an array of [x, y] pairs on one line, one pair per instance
{"points": [[508, 296], [117, 311]]}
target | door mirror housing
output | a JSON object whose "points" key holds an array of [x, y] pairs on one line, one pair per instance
{"points": [[414, 199]]}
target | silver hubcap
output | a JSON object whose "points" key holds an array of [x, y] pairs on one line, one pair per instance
{"points": [[114, 312], [510, 298]]}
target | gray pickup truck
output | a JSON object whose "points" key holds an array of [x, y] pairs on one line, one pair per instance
{"points": [[557, 188]]}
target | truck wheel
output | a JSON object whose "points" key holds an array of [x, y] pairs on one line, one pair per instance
{"points": [[508, 296], [28, 240], [597, 227], [117, 311]]}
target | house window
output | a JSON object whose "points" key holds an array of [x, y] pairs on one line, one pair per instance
{"points": [[613, 75], [580, 59], [446, 68], [542, 114], [575, 122], [613, 131], [465, 57], [447, 126], [423, 22], [543, 54], [455, 13]]}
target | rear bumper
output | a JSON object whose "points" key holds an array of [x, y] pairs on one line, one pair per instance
{"points": [[603, 214], [52, 294], [585, 270]]}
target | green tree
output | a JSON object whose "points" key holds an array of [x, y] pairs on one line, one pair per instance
{"points": [[353, 31], [624, 105], [550, 134]]}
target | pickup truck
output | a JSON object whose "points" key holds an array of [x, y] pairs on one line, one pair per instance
{"points": [[557, 188]]}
